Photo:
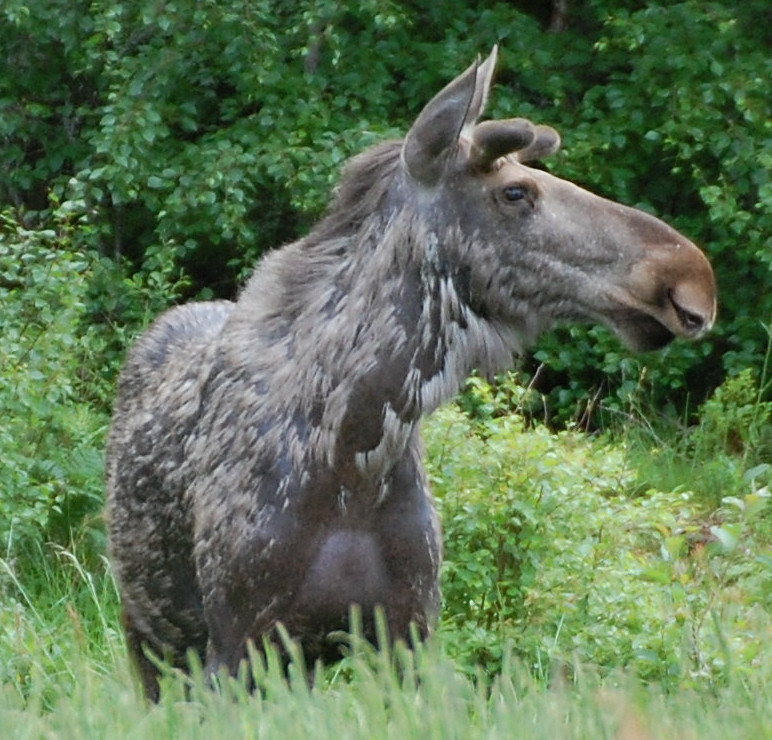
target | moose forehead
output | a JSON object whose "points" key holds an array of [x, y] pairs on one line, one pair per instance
{"points": [[504, 171], [521, 193]]}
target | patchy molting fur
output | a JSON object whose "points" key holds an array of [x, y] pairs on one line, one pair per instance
{"points": [[264, 461]]}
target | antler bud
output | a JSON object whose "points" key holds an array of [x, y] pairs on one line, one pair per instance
{"points": [[545, 142], [494, 139]]}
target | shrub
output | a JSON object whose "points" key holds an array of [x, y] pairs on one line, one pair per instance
{"points": [[49, 442], [58, 369], [558, 549]]}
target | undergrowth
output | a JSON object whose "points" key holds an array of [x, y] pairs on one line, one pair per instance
{"points": [[726, 453], [559, 546], [87, 691]]}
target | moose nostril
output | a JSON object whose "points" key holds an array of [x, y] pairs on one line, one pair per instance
{"points": [[692, 322]]}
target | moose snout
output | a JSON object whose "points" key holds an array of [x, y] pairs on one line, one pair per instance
{"points": [[692, 291], [694, 319], [687, 306], [671, 287]]}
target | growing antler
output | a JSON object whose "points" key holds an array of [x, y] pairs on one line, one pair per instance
{"points": [[494, 139]]}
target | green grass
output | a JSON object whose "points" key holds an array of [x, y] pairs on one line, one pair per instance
{"points": [[86, 692]]}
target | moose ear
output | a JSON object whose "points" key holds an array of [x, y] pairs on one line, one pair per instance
{"points": [[433, 138], [481, 90]]}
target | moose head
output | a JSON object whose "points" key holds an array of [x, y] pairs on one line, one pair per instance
{"points": [[540, 249]]}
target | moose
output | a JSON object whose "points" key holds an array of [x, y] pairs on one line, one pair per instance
{"points": [[264, 463]]}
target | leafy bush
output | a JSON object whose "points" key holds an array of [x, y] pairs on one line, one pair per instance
{"points": [[58, 370], [49, 442], [556, 547]]}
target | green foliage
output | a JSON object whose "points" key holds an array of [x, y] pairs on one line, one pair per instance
{"points": [[48, 90], [734, 420], [58, 371], [555, 545], [725, 454], [50, 443]]}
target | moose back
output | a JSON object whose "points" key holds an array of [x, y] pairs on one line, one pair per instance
{"points": [[264, 462]]}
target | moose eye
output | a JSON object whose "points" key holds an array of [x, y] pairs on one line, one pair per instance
{"points": [[513, 193]]}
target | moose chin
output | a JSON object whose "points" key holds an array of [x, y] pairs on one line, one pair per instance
{"points": [[264, 464]]}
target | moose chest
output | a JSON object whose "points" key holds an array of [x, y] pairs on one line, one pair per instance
{"points": [[304, 553]]}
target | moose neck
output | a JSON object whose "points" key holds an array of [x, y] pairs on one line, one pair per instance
{"points": [[396, 339], [361, 330]]}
